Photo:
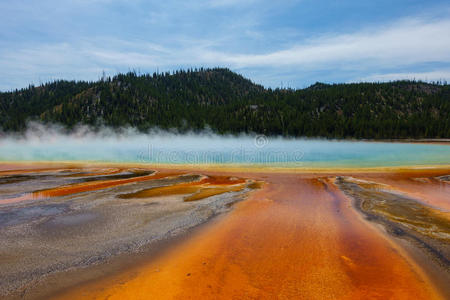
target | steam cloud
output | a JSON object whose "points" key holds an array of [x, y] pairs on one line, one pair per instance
{"points": [[54, 143]]}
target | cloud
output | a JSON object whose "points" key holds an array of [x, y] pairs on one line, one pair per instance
{"points": [[241, 45], [436, 75], [403, 43]]}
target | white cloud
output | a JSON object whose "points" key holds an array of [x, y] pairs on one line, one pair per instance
{"points": [[436, 75], [403, 43]]}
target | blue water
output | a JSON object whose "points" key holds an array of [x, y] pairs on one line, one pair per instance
{"points": [[207, 149]]}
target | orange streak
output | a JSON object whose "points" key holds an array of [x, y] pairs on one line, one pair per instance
{"points": [[294, 239], [19, 172], [96, 185], [213, 191], [179, 189], [98, 172], [206, 187], [431, 192], [84, 187]]}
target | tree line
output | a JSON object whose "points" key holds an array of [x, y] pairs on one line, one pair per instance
{"points": [[226, 102]]}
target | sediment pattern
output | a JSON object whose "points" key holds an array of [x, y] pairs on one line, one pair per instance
{"points": [[55, 220], [298, 237], [426, 227]]}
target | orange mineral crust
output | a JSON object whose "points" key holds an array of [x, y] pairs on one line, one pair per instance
{"points": [[424, 187], [96, 185], [196, 190], [296, 238], [85, 187]]}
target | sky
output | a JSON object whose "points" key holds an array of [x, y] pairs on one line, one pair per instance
{"points": [[274, 43]]}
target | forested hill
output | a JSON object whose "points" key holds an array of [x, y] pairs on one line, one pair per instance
{"points": [[229, 103]]}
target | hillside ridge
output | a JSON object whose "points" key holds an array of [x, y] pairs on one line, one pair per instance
{"points": [[226, 102]]}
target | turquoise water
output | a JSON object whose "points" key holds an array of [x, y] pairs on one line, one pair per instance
{"points": [[205, 149]]}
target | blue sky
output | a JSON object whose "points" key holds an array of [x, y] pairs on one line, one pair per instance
{"points": [[274, 43]]}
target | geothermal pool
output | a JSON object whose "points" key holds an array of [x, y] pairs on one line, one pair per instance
{"points": [[169, 148]]}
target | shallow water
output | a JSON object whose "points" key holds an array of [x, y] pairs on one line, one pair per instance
{"points": [[207, 149]]}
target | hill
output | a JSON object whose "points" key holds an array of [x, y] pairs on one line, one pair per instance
{"points": [[229, 103]]}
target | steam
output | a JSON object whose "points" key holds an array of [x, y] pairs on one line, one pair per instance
{"points": [[54, 143]]}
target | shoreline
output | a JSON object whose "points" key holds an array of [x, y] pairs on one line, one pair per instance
{"points": [[407, 140], [229, 167]]}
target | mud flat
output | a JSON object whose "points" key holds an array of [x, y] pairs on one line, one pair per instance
{"points": [[62, 221]]}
